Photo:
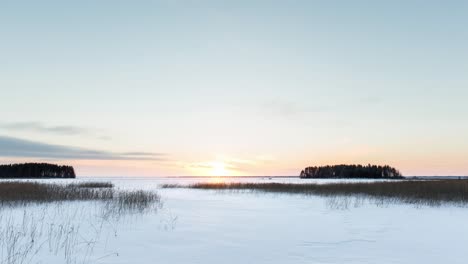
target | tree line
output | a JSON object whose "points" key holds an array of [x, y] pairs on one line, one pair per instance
{"points": [[352, 171], [36, 170]]}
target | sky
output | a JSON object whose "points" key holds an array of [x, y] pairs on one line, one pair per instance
{"points": [[180, 88]]}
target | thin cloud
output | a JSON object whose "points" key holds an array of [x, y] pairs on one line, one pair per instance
{"points": [[209, 165], [318, 106], [15, 147], [39, 127], [139, 153], [290, 109]]}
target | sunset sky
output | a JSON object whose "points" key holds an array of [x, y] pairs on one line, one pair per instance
{"points": [[164, 88]]}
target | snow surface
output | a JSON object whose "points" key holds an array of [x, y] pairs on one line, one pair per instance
{"points": [[203, 226]]}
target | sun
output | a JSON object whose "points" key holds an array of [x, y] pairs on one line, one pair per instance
{"points": [[218, 169]]}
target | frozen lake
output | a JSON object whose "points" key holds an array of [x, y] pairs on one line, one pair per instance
{"points": [[204, 226]]}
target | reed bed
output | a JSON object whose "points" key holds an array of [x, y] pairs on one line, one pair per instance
{"points": [[421, 192], [19, 193], [55, 226], [28, 192], [93, 185]]}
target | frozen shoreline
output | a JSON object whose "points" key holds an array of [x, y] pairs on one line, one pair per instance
{"points": [[199, 226]]}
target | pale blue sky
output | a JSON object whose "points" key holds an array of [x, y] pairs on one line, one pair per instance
{"points": [[264, 87]]}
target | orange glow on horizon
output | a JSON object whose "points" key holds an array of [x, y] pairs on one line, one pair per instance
{"points": [[409, 164]]}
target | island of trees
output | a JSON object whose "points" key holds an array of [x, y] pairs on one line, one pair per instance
{"points": [[352, 172], [36, 170]]}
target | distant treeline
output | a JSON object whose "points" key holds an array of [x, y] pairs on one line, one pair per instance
{"points": [[352, 171], [36, 170]]}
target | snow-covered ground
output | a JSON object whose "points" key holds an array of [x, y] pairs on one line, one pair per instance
{"points": [[203, 226]]}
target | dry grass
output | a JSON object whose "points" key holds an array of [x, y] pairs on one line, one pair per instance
{"points": [[54, 226], [27, 192], [93, 185], [431, 192], [137, 200], [19, 193]]}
